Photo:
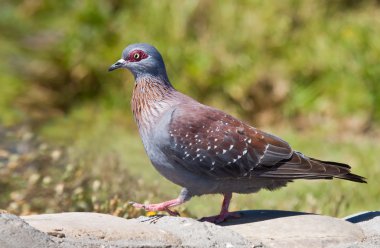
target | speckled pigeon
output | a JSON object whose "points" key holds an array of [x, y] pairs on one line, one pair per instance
{"points": [[205, 150]]}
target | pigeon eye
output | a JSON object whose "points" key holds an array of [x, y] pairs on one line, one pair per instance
{"points": [[136, 56]]}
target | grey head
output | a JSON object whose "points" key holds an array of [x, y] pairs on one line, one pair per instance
{"points": [[143, 60]]}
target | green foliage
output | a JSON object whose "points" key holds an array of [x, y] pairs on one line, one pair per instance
{"points": [[305, 56], [36, 177], [311, 65]]}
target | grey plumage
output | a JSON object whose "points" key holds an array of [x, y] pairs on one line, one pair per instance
{"points": [[205, 150]]}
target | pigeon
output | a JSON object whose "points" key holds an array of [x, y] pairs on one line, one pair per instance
{"points": [[205, 150]]}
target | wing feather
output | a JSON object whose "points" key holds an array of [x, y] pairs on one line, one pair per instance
{"points": [[211, 143]]}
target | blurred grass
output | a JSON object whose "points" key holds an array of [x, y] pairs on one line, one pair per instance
{"points": [[309, 57], [308, 71]]}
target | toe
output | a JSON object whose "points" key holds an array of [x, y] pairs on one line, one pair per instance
{"points": [[138, 205], [208, 219]]}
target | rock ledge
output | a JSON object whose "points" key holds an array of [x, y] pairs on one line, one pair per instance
{"points": [[259, 228]]}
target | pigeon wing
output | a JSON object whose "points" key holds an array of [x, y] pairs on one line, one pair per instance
{"points": [[210, 142]]}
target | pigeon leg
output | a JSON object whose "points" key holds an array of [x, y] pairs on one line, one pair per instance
{"points": [[164, 206], [224, 214]]}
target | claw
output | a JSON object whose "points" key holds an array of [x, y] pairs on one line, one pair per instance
{"points": [[172, 212]]}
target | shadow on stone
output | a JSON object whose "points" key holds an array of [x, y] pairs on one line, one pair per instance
{"points": [[151, 219], [364, 216], [251, 216]]}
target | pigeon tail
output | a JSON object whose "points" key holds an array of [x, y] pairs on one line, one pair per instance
{"points": [[345, 171]]}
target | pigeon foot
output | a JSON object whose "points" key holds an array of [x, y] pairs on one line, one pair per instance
{"points": [[164, 206], [220, 218]]}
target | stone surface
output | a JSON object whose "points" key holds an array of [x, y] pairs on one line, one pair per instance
{"points": [[370, 224], [94, 227], [14, 232], [193, 233], [368, 221], [294, 229], [254, 229], [152, 232]]}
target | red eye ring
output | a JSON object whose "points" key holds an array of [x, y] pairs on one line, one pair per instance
{"points": [[137, 55]]}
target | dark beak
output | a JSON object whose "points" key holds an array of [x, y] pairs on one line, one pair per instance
{"points": [[120, 63]]}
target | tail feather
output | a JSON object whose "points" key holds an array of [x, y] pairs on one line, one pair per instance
{"points": [[353, 177], [301, 167], [345, 171]]}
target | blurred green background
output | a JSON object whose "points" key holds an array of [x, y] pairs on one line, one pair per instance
{"points": [[307, 71]]}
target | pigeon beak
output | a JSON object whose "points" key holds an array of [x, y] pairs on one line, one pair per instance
{"points": [[120, 63]]}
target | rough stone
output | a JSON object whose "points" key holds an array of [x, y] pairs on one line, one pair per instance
{"points": [[294, 229], [368, 221], [370, 224], [193, 233], [253, 229], [100, 228], [14, 232], [159, 231]]}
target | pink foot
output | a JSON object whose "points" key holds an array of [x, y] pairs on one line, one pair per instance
{"points": [[224, 214], [164, 206], [220, 218]]}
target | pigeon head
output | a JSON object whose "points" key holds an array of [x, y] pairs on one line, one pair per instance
{"points": [[142, 60]]}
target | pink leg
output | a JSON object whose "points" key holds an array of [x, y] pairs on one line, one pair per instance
{"points": [[224, 214], [164, 206]]}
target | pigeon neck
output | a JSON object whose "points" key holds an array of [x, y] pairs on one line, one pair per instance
{"points": [[149, 79], [151, 98]]}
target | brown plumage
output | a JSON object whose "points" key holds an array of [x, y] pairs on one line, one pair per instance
{"points": [[205, 150], [210, 142]]}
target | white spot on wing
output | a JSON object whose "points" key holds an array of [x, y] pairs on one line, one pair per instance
{"points": [[261, 157]]}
